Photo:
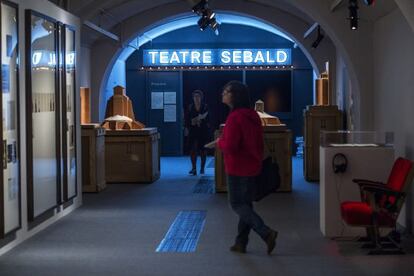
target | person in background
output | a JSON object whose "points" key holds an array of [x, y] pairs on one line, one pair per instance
{"points": [[197, 124], [242, 147]]}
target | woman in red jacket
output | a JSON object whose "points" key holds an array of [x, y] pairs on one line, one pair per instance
{"points": [[242, 147]]}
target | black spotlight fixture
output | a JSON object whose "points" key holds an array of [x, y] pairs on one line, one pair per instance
{"points": [[200, 7], [319, 38], [214, 25], [203, 23], [353, 14], [208, 16]]}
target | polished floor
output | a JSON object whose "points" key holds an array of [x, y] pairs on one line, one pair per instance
{"points": [[117, 232]]}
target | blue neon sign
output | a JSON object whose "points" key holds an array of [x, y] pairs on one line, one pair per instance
{"points": [[217, 57]]}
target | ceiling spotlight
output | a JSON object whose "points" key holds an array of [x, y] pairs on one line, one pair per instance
{"points": [[319, 38], [203, 23], [208, 16], [353, 14], [214, 25], [200, 7]]}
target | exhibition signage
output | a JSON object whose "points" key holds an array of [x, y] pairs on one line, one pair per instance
{"points": [[217, 57]]}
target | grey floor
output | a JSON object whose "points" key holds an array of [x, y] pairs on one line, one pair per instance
{"points": [[117, 231]]}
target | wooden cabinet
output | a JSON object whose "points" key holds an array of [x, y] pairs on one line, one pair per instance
{"points": [[132, 156], [278, 140], [317, 119], [93, 158]]}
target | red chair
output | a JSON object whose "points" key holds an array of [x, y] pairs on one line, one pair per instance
{"points": [[380, 205]]}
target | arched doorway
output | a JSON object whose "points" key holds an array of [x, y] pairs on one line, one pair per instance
{"points": [[293, 85], [288, 23]]}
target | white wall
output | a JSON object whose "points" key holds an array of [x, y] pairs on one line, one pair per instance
{"points": [[394, 88], [84, 68]]}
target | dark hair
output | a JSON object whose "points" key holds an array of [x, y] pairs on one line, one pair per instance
{"points": [[198, 92], [240, 95]]}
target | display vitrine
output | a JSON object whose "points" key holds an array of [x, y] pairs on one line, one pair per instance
{"points": [[69, 112], [10, 213], [43, 114]]}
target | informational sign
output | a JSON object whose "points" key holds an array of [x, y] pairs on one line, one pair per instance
{"points": [[217, 57], [157, 100], [170, 97], [170, 113]]}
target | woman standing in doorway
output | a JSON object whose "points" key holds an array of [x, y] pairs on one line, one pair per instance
{"points": [[198, 130], [242, 147]]}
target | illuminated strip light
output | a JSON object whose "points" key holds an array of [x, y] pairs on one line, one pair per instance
{"points": [[212, 68]]}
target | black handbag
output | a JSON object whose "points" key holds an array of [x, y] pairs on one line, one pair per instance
{"points": [[268, 181]]}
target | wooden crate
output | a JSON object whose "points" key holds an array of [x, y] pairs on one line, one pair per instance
{"points": [[317, 119], [132, 156], [279, 141], [93, 158]]}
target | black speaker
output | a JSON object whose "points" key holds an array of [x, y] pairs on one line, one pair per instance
{"points": [[339, 163]]}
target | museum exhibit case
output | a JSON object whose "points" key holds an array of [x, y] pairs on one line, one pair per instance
{"points": [[50, 100], [68, 104], [345, 156], [10, 186], [278, 143], [93, 158], [317, 118], [134, 147], [136, 153], [42, 96]]}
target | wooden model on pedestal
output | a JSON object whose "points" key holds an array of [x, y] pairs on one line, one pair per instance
{"points": [[317, 118], [119, 112], [131, 150], [266, 119]]}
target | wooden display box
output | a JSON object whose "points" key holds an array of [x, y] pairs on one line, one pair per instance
{"points": [[279, 141], [132, 156], [93, 158], [317, 119]]}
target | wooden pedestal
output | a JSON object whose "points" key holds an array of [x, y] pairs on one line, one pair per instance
{"points": [[85, 95], [279, 141], [317, 119], [93, 158], [132, 156]]}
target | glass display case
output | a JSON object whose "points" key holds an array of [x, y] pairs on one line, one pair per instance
{"points": [[356, 139], [10, 188], [43, 141], [69, 113], [344, 157], [51, 115]]}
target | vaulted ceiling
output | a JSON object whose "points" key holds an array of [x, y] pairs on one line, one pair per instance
{"points": [[111, 13]]}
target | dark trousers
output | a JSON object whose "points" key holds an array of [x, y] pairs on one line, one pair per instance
{"points": [[240, 199]]}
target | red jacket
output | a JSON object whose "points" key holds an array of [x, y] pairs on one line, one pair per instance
{"points": [[242, 143]]}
